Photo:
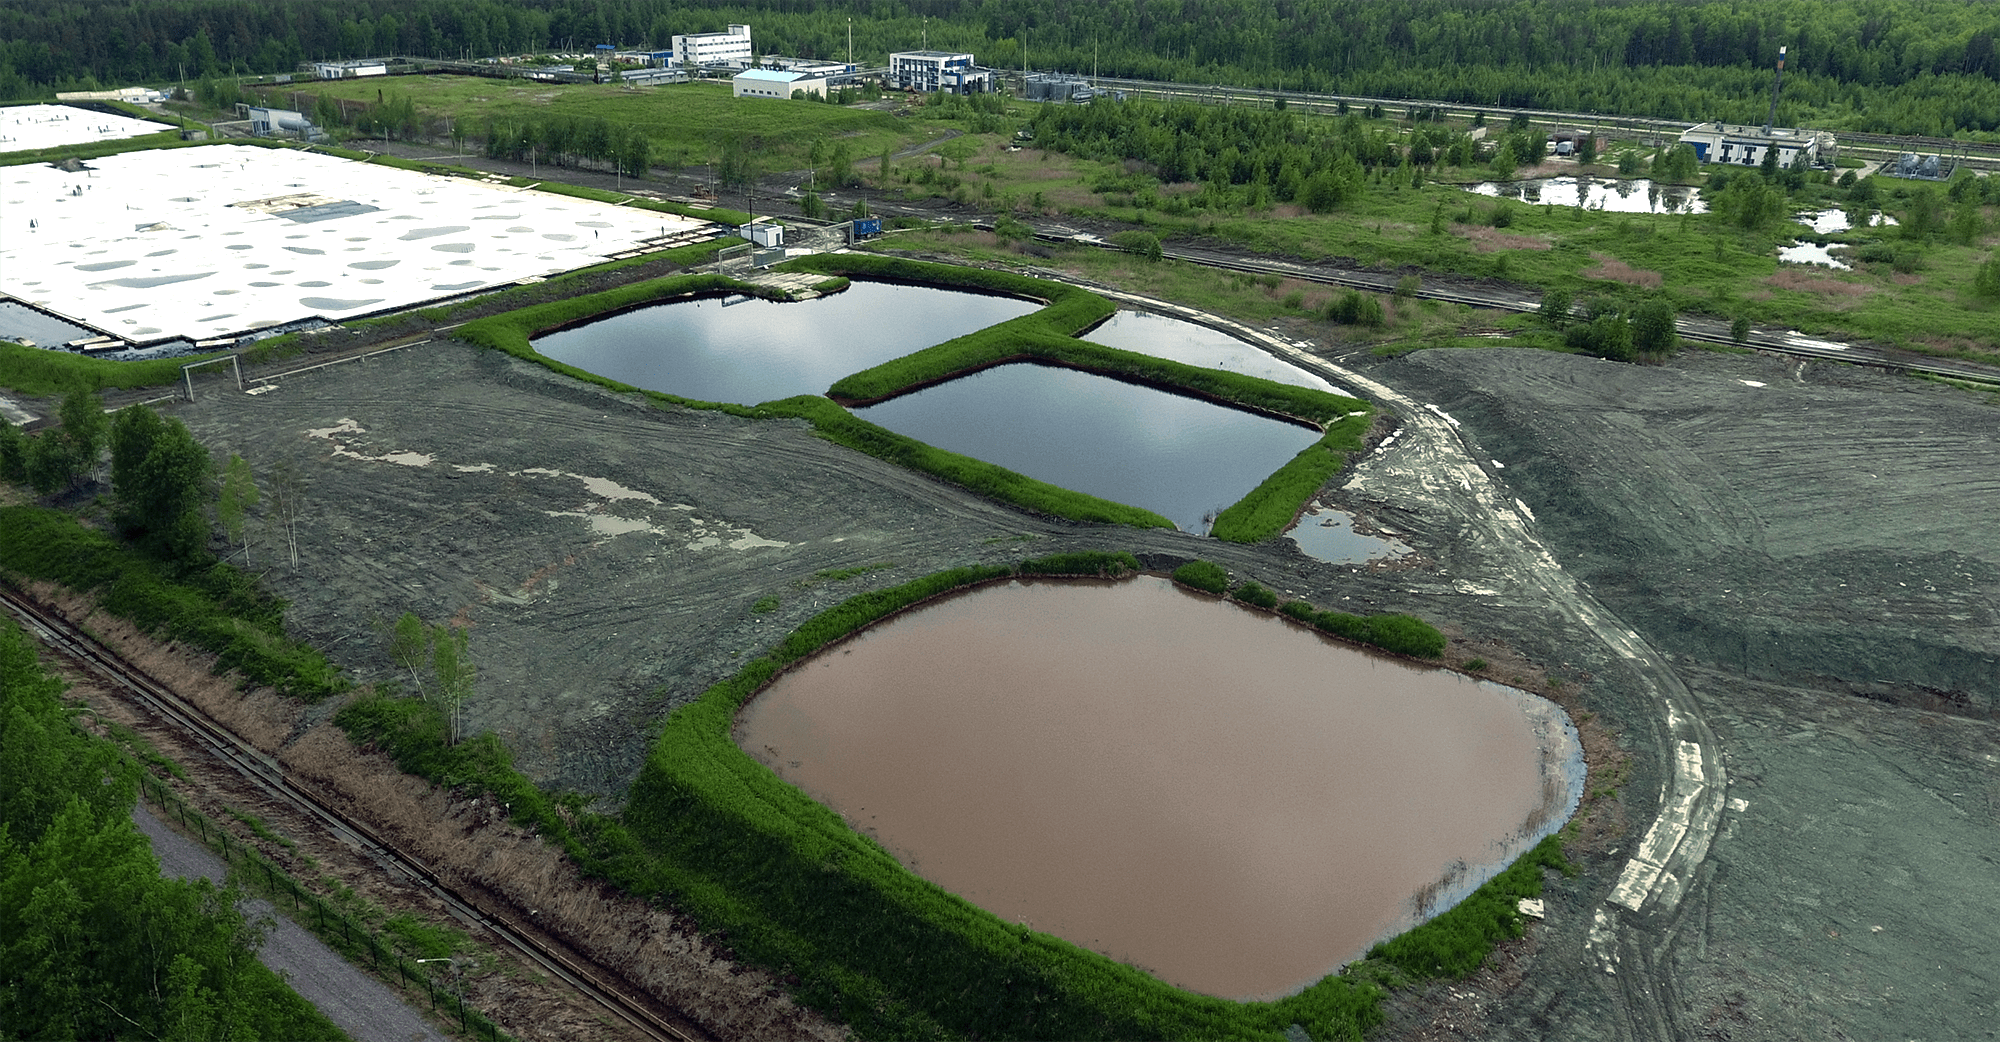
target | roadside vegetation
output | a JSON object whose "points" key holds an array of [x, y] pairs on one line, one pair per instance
{"points": [[94, 942]]}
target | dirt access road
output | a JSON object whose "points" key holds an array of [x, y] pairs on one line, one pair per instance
{"points": [[1681, 538]]}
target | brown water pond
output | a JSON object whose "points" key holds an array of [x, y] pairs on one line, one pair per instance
{"points": [[1218, 796]]}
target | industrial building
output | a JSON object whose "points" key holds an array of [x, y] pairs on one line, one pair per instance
{"points": [[284, 123], [730, 48], [769, 83], [954, 72], [348, 70], [1746, 146], [1056, 86]]}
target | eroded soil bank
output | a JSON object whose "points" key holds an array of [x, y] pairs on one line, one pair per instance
{"points": [[1717, 519]]}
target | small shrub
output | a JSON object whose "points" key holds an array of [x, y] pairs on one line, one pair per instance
{"points": [[1355, 308], [1477, 665], [1252, 593], [1739, 329], [765, 604], [1502, 216], [1145, 244], [1203, 575], [1409, 286]]}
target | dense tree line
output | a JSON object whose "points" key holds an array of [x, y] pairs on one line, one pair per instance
{"points": [[94, 942], [1902, 66], [1245, 157]]}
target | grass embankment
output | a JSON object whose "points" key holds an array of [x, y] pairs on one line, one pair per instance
{"points": [[45, 371], [218, 609], [1398, 634], [1048, 336]]}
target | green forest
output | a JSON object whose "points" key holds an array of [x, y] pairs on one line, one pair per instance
{"points": [[94, 942], [1888, 66]]}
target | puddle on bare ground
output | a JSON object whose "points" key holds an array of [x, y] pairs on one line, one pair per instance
{"points": [[1216, 795], [1329, 535]]}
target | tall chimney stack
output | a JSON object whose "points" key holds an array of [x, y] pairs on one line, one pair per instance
{"points": [[1772, 119]]}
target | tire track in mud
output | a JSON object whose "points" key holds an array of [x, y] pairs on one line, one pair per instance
{"points": [[1433, 471]]}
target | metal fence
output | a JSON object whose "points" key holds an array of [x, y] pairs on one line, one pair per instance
{"points": [[339, 929]]}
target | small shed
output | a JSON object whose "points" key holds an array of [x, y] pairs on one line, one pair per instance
{"points": [[764, 233]]}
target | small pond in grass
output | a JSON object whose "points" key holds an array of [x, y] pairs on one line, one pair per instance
{"points": [[1617, 195], [1180, 341], [1182, 458], [747, 350], [1221, 797]]}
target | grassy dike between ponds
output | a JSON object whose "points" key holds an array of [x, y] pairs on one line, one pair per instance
{"points": [[513, 332], [1049, 336]]}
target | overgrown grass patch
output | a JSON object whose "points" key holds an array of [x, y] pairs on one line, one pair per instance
{"points": [[218, 609]]}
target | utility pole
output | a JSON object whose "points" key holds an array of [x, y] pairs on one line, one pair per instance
{"points": [[850, 42]]}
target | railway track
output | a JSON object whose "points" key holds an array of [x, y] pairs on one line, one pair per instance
{"points": [[270, 777], [1793, 344]]}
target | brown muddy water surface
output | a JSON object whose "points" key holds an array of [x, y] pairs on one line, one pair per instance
{"points": [[1218, 796]]}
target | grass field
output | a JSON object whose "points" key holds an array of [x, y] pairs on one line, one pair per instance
{"points": [[689, 123]]}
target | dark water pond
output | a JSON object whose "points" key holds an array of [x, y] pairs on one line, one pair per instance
{"points": [[19, 321], [1181, 458], [1328, 534], [746, 350], [1179, 341], [1225, 799]]}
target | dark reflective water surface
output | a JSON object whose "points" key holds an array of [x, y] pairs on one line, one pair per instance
{"points": [[1172, 338], [1329, 535], [1181, 458], [1225, 799], [19, 320], [752, 351]]}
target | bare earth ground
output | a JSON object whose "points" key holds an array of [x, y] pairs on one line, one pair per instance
{"points": [[606, 555]]}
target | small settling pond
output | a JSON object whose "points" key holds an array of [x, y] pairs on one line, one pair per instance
{"points": [[1638, 195], [1173, 339], [1218, 796], [1182, 458], [746, 350], [1329, 535]]}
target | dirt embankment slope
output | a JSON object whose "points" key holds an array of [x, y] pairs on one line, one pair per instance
{"points": [[1816, 551]]}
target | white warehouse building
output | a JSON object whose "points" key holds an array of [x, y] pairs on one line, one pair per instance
{"points": [[769, 83], [1745, 146], [731, 48]]}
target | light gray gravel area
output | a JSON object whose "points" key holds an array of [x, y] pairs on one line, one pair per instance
{"points": [[359, 1004]]}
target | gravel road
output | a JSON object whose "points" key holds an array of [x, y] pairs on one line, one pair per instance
{"points": [[359, 1004]]}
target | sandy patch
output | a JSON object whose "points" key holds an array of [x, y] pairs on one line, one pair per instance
{"points": [[1615, 270], [1809, 282], [1486, 240]]}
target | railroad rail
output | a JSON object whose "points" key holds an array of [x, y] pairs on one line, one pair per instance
{"points": [[270, 777], [1793, 344]]}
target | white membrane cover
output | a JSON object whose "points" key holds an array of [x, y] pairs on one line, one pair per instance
{"points": [[27, 128], [196, 242]]}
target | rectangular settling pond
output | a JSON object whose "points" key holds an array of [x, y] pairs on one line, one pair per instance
{"points": [[1218, 796], [747, 350], [1182, 458], [1171, 338]]}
